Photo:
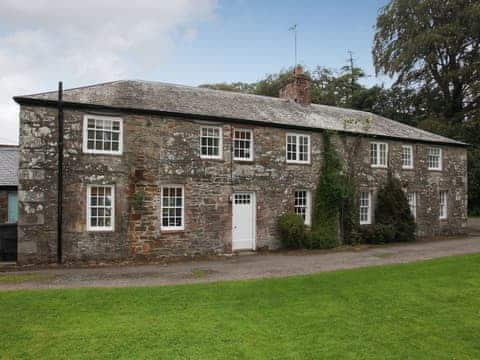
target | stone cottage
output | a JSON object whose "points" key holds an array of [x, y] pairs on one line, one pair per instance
{"points": [[152, 169]]}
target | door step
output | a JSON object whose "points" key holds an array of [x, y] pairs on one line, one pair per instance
{"points": [[244, 252]]}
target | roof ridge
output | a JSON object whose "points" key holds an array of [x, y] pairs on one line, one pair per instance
{"points": [[193, 87]]}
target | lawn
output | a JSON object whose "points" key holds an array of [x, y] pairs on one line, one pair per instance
{"points": [[421, 310]]}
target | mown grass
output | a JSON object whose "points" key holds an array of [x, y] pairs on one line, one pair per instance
{"points": [[428, 310]]}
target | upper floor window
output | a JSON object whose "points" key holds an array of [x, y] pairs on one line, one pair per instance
{"points": [[100, 207], [102, 135], [443, 205], [242, 144], [298, 148], [302, 205], [412, 203], [407, 157], [172, 205], [378, 154], [211, 142], [434, 158], [365, 207]]}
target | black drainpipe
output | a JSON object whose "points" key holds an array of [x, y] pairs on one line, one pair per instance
{"points": [[60, 173]]}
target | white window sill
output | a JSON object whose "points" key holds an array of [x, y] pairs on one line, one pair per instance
{"points": [[100, 229], [379, 166], [96, 152], [244, 160], [434, 169], [203, 157], [172, 229], [298, 162], [407, 167]]}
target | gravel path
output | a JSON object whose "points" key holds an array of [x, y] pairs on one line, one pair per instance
{"points": [[241, 267]]}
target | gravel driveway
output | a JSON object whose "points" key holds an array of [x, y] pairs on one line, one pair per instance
{"points": [[239, 267]]}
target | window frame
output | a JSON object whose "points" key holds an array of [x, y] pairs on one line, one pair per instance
{"points": [[251, 147], [377, 150], [12, 200], [220, 143], [110, 228], [297, 150], [443, 216], [414, 211], [407, 167], [369, 208], [308, 205], [172, 228], [86, 150], [440, 158]]}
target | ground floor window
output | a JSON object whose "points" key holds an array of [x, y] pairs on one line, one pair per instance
{"points": [[12, 207], [412, 202], [443, 204], [302, 205], [172, 207], [365, 207], [100, 207]]}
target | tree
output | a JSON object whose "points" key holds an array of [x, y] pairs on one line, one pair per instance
{"points": [[393, 220], [235, 87], [434, 46]]}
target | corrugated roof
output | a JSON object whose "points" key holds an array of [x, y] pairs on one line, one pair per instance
{"points": [[8, 165], [157, 96]]}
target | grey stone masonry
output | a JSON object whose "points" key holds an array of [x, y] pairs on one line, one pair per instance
{"points": [[164, 150]]}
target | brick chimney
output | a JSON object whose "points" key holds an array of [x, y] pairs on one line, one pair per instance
{"points": [[299, 89]]}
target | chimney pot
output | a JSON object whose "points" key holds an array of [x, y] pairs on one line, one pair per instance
{"points": [[299, 88]]}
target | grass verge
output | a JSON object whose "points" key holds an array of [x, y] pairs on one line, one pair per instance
{"points": [[422, 310]]}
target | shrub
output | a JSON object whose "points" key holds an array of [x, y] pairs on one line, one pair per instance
{"points": [[292, 231], [393, 219], [322, 240]]}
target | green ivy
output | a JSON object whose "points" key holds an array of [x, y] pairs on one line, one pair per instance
{"points": [[333, 200], [138, 200]]}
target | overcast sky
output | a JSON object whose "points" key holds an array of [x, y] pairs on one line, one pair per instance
{"points": [[181, 41]]}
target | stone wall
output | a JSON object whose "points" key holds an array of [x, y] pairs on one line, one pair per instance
{"points": [[162, 150]]}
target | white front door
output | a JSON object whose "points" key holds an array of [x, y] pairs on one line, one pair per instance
{"points": [[243, 222]]}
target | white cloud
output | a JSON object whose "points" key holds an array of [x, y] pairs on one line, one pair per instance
{"points": [[86, 41]]}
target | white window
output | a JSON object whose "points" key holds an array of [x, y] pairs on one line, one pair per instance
{"points": [[242, 144], [434, 158], [365, 207], [102, 135], [12, 207], [172, 205], [443, 204], [407, 157], [302, 205], [100, 207], [378, 154], [412, 202], [211, 142], [298, 148]]}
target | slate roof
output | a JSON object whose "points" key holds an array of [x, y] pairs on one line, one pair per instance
{"points": [[179, 99], [8, 165]]}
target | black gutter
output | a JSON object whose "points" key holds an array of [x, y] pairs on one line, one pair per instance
{"points": [[60, 172], [21, 100], [8, 187]]}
